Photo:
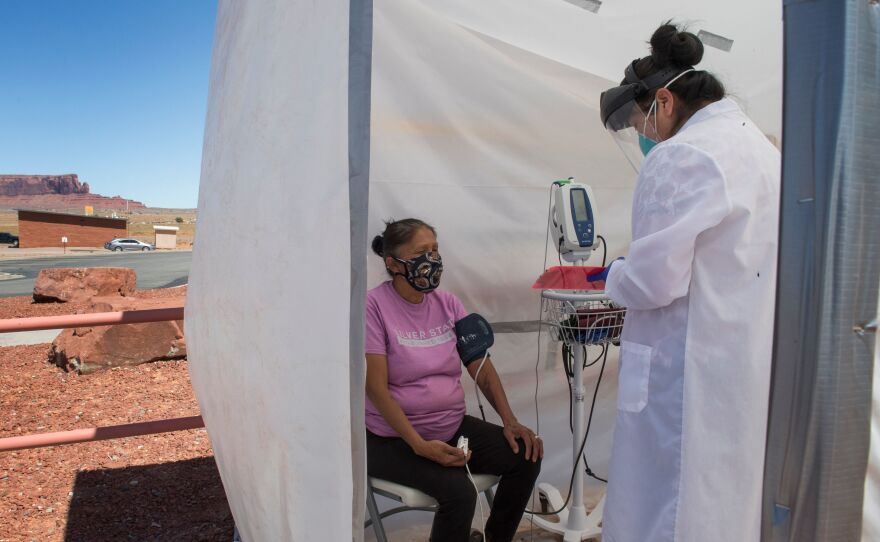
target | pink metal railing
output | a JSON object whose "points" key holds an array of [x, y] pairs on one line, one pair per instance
{"points": [[91, 434], [95, 433], [94, 319]]}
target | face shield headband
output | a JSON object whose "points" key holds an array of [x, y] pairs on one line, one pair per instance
{"points": [[423, 272], [624, 118], [615, 104]]}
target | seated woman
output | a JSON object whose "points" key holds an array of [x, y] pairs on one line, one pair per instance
{"points": [[415, 409]]}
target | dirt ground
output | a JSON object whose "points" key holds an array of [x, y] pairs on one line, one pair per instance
{"points": [[155, 487]]}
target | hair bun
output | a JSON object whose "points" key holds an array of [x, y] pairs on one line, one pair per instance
{"points": [[671, 47], [378, 245]]}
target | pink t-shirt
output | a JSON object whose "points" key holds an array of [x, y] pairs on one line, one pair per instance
{"points": [[424, 370]]}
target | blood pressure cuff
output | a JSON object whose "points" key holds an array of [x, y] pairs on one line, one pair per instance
{"points": [[474, 337]]}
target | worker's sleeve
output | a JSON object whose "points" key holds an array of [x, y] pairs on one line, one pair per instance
{"points": [[680, 193]]}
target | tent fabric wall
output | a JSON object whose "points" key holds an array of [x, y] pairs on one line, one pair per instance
{"points": [[604, 42], [267, 321], [829, 274]]}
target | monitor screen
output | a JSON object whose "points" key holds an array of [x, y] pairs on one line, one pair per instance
{"points": [[579, 203]]}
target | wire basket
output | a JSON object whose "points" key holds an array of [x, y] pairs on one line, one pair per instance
{"points": [[582, 319]]}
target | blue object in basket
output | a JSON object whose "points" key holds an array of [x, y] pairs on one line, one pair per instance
{"points": [[592, 326]]}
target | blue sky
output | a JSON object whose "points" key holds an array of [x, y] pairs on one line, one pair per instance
{"points": [[112, 90]]}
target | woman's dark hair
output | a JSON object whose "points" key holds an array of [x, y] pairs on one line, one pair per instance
{"points": [[397, 233], [675, 48]]}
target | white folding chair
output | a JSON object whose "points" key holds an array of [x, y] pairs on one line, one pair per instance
{"points": [[412, 499]]}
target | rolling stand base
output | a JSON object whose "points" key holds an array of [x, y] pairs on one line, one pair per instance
{"points": [[574, 523]]}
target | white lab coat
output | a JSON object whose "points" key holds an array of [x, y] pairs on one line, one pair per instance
{"points": [[699, 284]]}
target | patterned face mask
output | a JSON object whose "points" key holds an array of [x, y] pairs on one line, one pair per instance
{"points": [[423, 272]]}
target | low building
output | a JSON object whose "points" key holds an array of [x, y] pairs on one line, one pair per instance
{"points": [[47, 229], [166, 236]]}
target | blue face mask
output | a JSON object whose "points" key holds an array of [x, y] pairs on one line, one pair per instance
{"points": [[646, 144]]}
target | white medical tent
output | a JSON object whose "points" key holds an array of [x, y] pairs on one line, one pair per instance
{"points": [[326, 118]]}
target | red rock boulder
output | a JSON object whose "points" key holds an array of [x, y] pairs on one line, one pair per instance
{"points": [[77, 285], [90, 349]]}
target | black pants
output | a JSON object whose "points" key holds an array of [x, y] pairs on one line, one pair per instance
{"points": [[392, 459]]}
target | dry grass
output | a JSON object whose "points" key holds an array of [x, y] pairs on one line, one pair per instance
{"points": [[140, 222], [9, 221]]}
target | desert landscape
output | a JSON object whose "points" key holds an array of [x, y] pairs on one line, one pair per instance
{"points": [[66, 194], [140, 222]]}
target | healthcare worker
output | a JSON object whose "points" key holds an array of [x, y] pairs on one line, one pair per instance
{"points": [[699, 284]]}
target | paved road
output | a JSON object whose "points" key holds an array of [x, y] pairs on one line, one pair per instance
{"points": [[154, 269], [17, 338]]}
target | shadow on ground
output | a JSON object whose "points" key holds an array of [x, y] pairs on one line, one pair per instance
{"points": [[178, 501]]}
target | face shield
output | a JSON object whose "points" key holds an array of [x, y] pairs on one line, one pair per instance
{"points": [[630, 126]]}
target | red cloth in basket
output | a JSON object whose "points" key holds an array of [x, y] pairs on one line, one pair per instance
{"points": [[569, 277]]}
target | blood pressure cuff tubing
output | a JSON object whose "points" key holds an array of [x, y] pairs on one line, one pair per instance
{"points": [[474, 337]]}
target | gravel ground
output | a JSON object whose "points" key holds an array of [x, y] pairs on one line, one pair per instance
{"points": [[155, 487]]}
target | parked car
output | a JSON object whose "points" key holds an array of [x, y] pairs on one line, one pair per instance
{"points": [[7, 238], [118, 245]]}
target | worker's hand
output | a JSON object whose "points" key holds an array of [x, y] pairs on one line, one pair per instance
{"points": [[533, 443], [602, 274], [442, 453]]}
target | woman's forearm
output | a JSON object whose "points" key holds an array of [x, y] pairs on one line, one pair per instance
{"points": [[490, 384], [396, 418]]}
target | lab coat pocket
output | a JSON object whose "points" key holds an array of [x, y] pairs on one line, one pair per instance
{"points": [[635, 372]]}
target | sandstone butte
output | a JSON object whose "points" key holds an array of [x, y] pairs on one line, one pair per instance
{"points": [[55, 192]]}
